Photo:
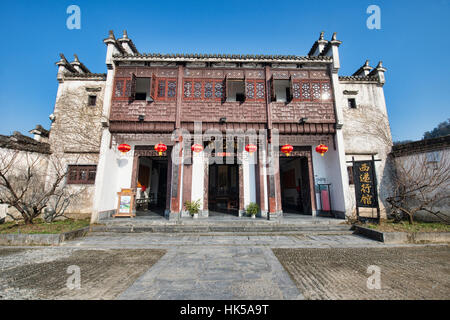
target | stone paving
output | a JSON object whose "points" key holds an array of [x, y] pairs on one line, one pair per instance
{"points": [[215, 266], [341, 273]]}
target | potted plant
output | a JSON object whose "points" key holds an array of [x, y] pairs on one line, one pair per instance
{"points": [[252, 209], [193, 207]]}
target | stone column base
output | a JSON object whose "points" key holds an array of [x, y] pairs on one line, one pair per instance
{"points": [[275, 215], [174, 216]]}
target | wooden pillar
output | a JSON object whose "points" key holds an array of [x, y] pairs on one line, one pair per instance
{"points": [[273, 183], [176, 183], [187, 184], [134, 173], [311, 183]]}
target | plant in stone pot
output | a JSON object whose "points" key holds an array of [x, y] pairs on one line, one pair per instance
{"points": [[252, 209], [193, 207]]}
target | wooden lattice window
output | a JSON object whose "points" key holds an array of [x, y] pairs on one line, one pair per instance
{"points": [[203, 89], [306, 90], [124, 88], [254, 90], [81, 174], [166, 89]]}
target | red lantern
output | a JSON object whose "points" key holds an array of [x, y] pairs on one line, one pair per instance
{"points": [[160, 147], [287, 149], [197, 148], [321, 148], [124, 148], [250, 148]]}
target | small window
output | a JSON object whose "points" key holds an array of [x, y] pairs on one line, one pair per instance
{"points": [[92, 100], [236, 90], [350, 175], [352, 103], [282, 90], [142, 88], [433, 157], [81, 174]]}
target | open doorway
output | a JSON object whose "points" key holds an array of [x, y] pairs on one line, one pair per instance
{"points": [[295, 185], [152, 181], [223, 190]]}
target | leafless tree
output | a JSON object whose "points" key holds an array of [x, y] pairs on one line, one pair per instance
{"points": [[77, 127], [369, 122], [420, 185], [32, 182]]}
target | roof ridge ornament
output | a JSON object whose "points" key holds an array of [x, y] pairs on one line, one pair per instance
{"points": [[321, 35]]}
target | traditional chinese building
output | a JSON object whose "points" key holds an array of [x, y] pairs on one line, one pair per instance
{"points": [[203, 107]]}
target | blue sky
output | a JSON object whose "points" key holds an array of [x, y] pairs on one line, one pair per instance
{"points": [[412, 43]]}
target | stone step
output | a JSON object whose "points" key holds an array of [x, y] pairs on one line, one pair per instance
{"points": [[221, 228]]}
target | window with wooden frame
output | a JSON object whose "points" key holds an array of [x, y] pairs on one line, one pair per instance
{"points": [[124, 88], [203, 89], [81, 174], [254, 90], [165, 89], [307, 90], [280, 90]]}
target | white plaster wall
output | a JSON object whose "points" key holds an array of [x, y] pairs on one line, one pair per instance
{"points": [[414, 161], [327, 170], [248, 170], [198, 175]]}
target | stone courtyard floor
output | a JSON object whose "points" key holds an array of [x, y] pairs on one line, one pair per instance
{"points": [[225, 266]]}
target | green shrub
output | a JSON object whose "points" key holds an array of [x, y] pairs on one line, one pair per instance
{"points": [[252, 209], [193, 206]]}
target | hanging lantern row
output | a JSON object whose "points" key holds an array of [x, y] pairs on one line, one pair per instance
{"points": [[124, 148], [287, 149], [160, 148], [321, 148], [197, 148], [250, 148]]}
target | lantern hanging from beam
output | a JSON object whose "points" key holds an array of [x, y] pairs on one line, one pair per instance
{"points": [[124, 148], [287, 149], [160, 148], [197, 148], [250, 148], [321, 148]]}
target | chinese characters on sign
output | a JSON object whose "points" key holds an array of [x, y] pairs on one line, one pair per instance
{"points": [[365, 184]]}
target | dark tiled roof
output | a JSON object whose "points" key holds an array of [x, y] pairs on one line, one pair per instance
{"points": [[40, 130], [224, 57], [23, 143], [421, 146], [85, 75], [358, 78]]}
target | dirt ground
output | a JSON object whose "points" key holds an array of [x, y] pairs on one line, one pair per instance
{"points": [[43, 273], [341, 273]]}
